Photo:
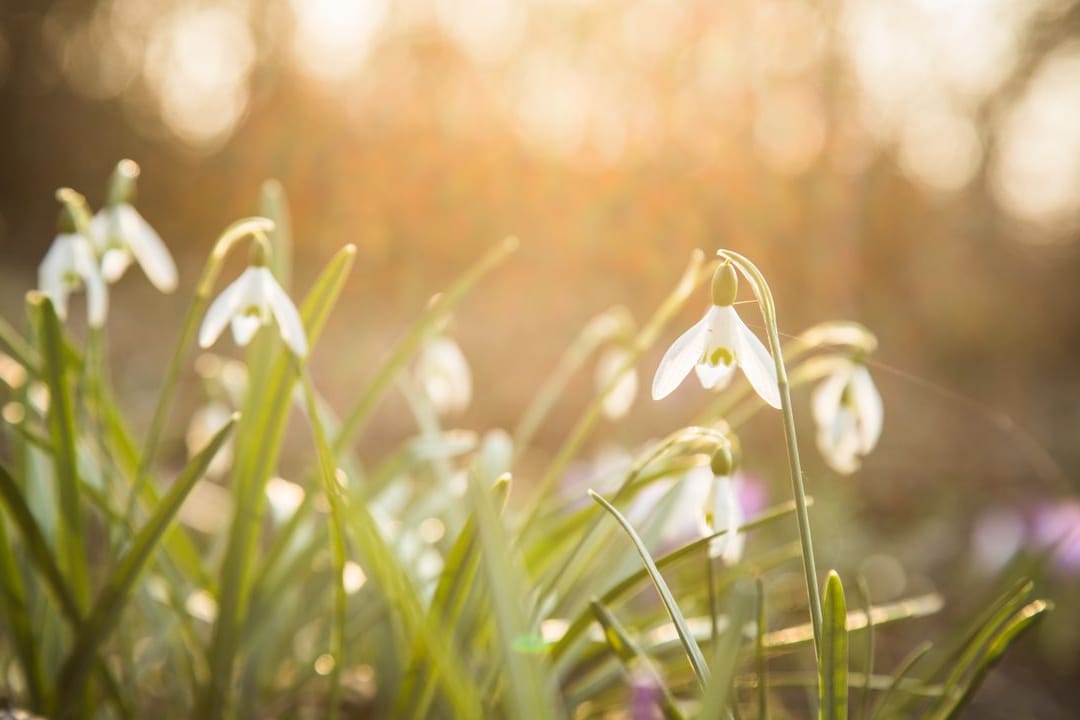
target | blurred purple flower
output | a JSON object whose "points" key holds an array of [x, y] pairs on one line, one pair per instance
{"points": [[644, 696], [1056, 527]]}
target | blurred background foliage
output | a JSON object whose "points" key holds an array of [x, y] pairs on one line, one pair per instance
{"points": [[912, 165]]}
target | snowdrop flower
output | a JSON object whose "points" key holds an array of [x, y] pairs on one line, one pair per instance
{"points": [[120, 235], [254, 299], [70, 265], [848, 412], [618, 401], [723, 510], [444, 375], [716, 345]]}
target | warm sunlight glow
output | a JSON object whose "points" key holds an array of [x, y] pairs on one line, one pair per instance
{"points": [[333, 37]]}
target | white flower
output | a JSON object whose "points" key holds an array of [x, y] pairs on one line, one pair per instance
{"points": [[120, 234], [724, 512], [205, 424], [714, 347], [618, 401], [444, 375], [254, 299], [69, 265], [848, 412]]}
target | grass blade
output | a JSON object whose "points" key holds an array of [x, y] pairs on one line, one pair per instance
{"points": [[833, 664], [624, 586], [531, 693], [258, 442], [113, 596], [336, 498], [957, 696], [726, 652], [693, 651], [633, 658], [902, 671], [61, 419], [16, 615]]}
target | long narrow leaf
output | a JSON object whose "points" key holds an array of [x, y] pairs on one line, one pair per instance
{"points": [[62, 430], [726, 652], [634, 659], [693, 651], [530, 693], [113, 596], [833, 663], [258, 443]]}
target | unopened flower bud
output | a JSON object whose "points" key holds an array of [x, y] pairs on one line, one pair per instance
{"points": [[723, 461], [260, 251], [725, 285], [122, 183]]}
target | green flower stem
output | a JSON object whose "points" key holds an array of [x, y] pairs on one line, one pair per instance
{"points": [[768, 311], [232, 235]]}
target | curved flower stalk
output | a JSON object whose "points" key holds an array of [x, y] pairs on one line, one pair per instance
{"points": [[716, 345], [798, 490], [443, 373], [623, 385], [252, 300], [70, 265], [849, 414], [121, 235]]}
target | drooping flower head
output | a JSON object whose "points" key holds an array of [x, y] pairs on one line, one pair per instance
{"points": [[443, 373], [716, 345], [254, 299], [849, 415], [70, 265], [121, 235], [723, 510]]}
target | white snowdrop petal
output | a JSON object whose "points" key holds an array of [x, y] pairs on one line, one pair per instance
{"points": [[114, 263], [727, 515], [825, 399], [56, 263], [288, 319], [99, 230], [756, 363], [714, 377], [148, 248], [679, 359], [868, 406], [97, 295], [244, 328], [224, 307], [443, 372]]}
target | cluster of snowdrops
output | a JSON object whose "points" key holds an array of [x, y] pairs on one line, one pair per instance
{"points": [[515, 609]]}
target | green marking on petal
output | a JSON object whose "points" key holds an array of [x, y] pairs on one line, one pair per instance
{"points": [[721, 356]]}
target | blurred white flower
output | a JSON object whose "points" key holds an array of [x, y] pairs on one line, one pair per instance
{"points": [[849, 414], [205, 423], [120, 234], [618, 401], [444, 375], [70, 265], [714, 347], [254, 299], [724, 512]]}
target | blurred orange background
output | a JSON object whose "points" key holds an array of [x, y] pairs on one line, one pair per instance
{"points": [[912, 165]]}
